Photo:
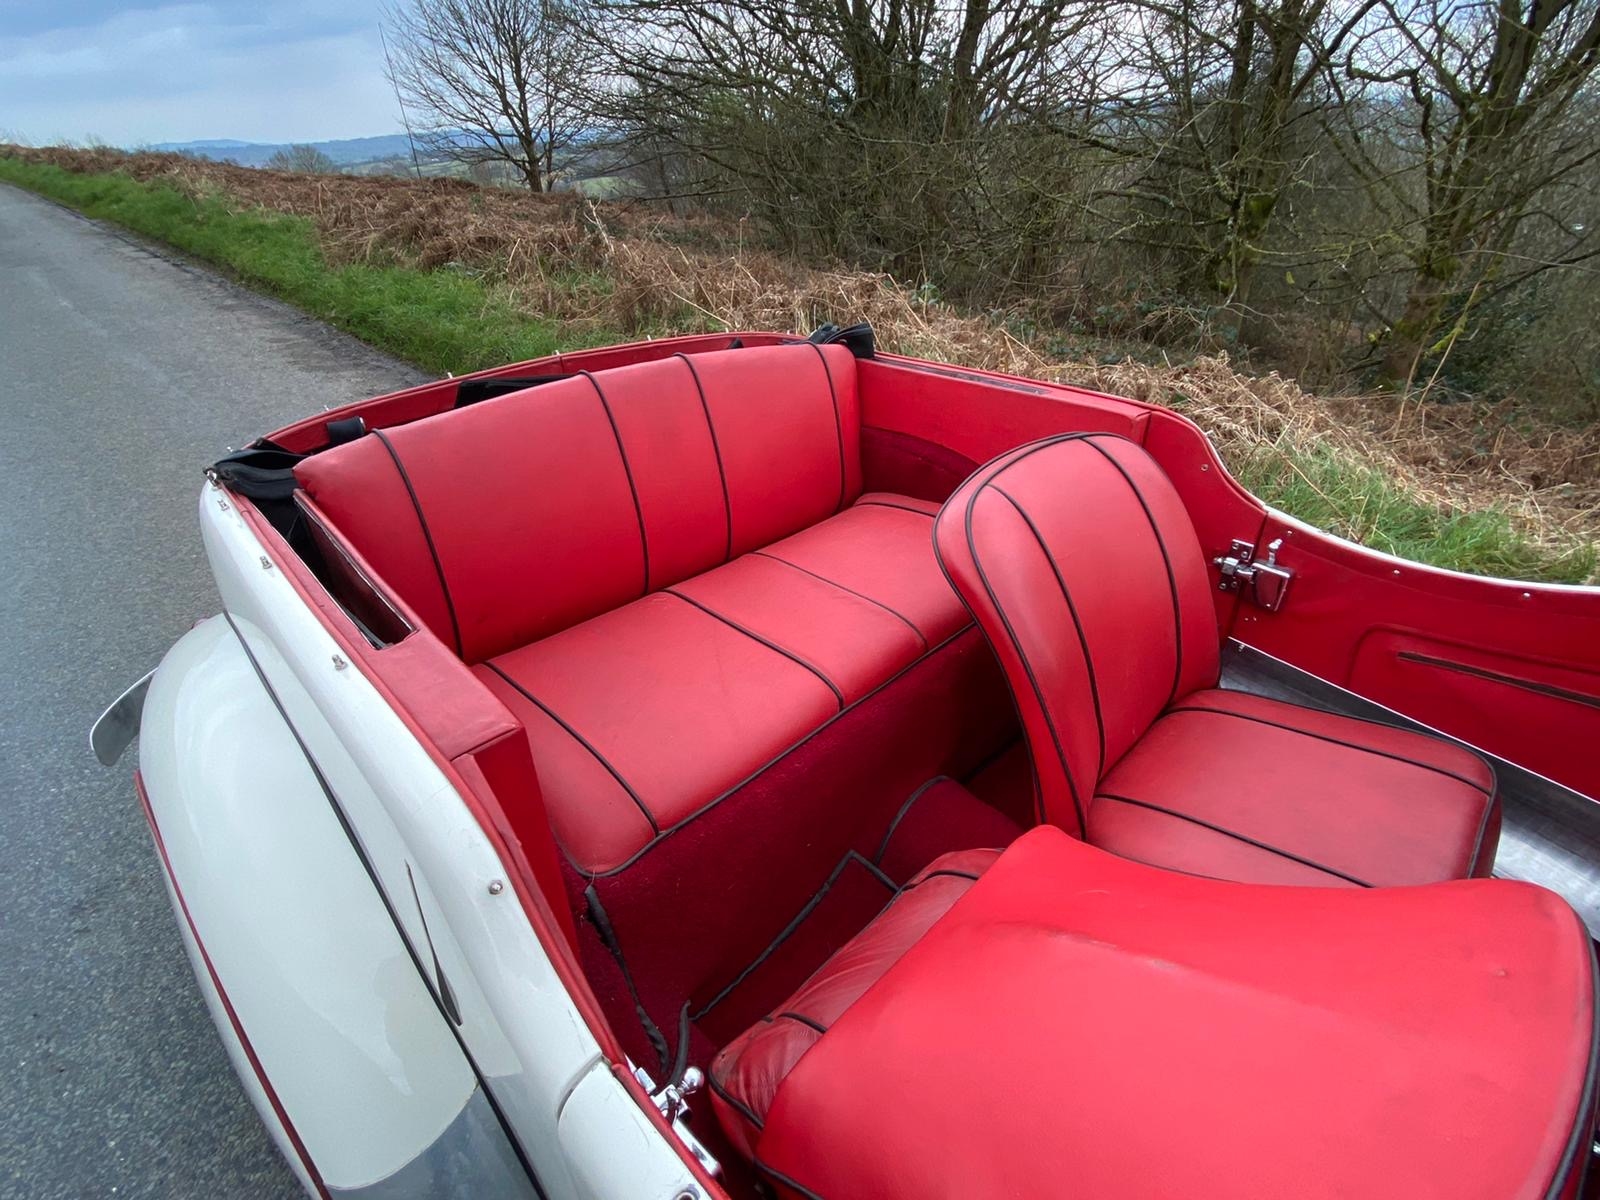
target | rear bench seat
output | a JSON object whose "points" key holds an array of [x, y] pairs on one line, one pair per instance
{"points": [[667, 571]]}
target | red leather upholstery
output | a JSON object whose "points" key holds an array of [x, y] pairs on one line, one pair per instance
{"points": [[518, 517], [1080, 1021], [1081, 565], [665, 570], [1329, 800], [721, 674], [746, 1075]]}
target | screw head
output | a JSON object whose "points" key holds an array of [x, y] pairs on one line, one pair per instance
{"points": [[339, 663], [496, 886]]}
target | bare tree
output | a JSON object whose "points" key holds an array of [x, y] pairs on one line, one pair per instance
{"points": [[1485, 114], [305, 159], [494, 80]]}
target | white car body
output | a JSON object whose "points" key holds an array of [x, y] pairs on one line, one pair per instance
{"points": [[277, 778]]}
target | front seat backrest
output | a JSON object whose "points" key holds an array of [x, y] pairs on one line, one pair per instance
{"points": [[1081, 565]]}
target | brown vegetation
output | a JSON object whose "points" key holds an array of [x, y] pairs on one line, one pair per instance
{"points": [[606, 268]]}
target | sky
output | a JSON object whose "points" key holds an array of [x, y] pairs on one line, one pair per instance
{"points": [[134, 73]]}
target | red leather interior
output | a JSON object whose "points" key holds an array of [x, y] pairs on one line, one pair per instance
{"points": [[1244, 787], [1081, 565], [721, 674], [665, 570], [520, 516], [1143, 1035], [746, 1075]]}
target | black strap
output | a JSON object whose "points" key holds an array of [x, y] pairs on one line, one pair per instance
{"points": [[856, 338], [347, 430], [471, 391], [261, 474]]}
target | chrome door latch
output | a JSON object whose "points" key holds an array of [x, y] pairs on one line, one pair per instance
{"points": [[1267, 580], [672, 1101]]}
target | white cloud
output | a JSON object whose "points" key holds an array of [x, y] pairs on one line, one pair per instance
{"points": [[286, 72]]}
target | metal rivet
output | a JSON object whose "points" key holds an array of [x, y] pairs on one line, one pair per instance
{"points": [[266, 563], [339, 663], [688, 1194], [1205, 466], [1396, 572], [496, 886], [1527, 595]]}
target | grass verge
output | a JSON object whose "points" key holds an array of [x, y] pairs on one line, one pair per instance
{"points": [[442, 320], [455, 318], [1323, 488]]}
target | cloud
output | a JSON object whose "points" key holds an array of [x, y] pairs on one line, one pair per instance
{"points": [[176, 72]]}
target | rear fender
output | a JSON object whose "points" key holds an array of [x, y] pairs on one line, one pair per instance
{"points": [[338, 1042]]}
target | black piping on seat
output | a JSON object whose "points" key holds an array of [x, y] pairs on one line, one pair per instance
{"points": [[1250, 841]]}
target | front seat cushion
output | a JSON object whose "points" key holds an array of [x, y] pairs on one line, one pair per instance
{"points": [[1077, 1024], [1243, 787]]}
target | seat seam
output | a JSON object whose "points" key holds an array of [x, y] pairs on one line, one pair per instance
{"points": [[1077, 624], [1166, 561], [716, 450], [627, 470], [1483, 825], [1005, 621], [888, 836], [728, 1097], [921, 637], [756, 637], [838, 421], [427, 536], [734, 790], [801, 1018], [794, 924], [902, 507], [793, 1185], [1240, 837], [581, 740], [1222, 712]]}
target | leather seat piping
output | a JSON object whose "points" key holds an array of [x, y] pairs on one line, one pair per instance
{"points": [[756, 637], [627, 469], [921, 638], [1166, 560], [838, 421], [663, 834], [716, 450], [901, 507], [888, 836], [1077, 625], [795, 922], [1250, 841], [427, 535], [1323, 737], [582, 741], [1005, 621]]}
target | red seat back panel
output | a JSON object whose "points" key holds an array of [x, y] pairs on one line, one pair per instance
{"points": [[523, 515]]}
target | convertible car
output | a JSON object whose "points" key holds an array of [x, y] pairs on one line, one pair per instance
{"points": [[737, 766]]}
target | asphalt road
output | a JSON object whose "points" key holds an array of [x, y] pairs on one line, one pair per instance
{"points": [[122, 373]]}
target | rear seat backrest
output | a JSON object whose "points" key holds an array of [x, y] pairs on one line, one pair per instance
{"points": [[520, 516]]}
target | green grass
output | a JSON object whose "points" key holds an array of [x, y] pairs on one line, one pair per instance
{"points": [[449, 320], [1326, 490], [441, 320]]}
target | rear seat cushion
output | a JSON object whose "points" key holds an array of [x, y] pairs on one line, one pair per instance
{"points": [[745, 1076], [640, 718], [522, 515], [882, 549], [1141, 1034], [1243, 787]]}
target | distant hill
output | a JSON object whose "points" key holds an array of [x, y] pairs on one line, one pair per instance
{"points": [[344, 151]]}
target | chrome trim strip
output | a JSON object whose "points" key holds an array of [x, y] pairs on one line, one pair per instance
{"points": [[115, 729]]}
